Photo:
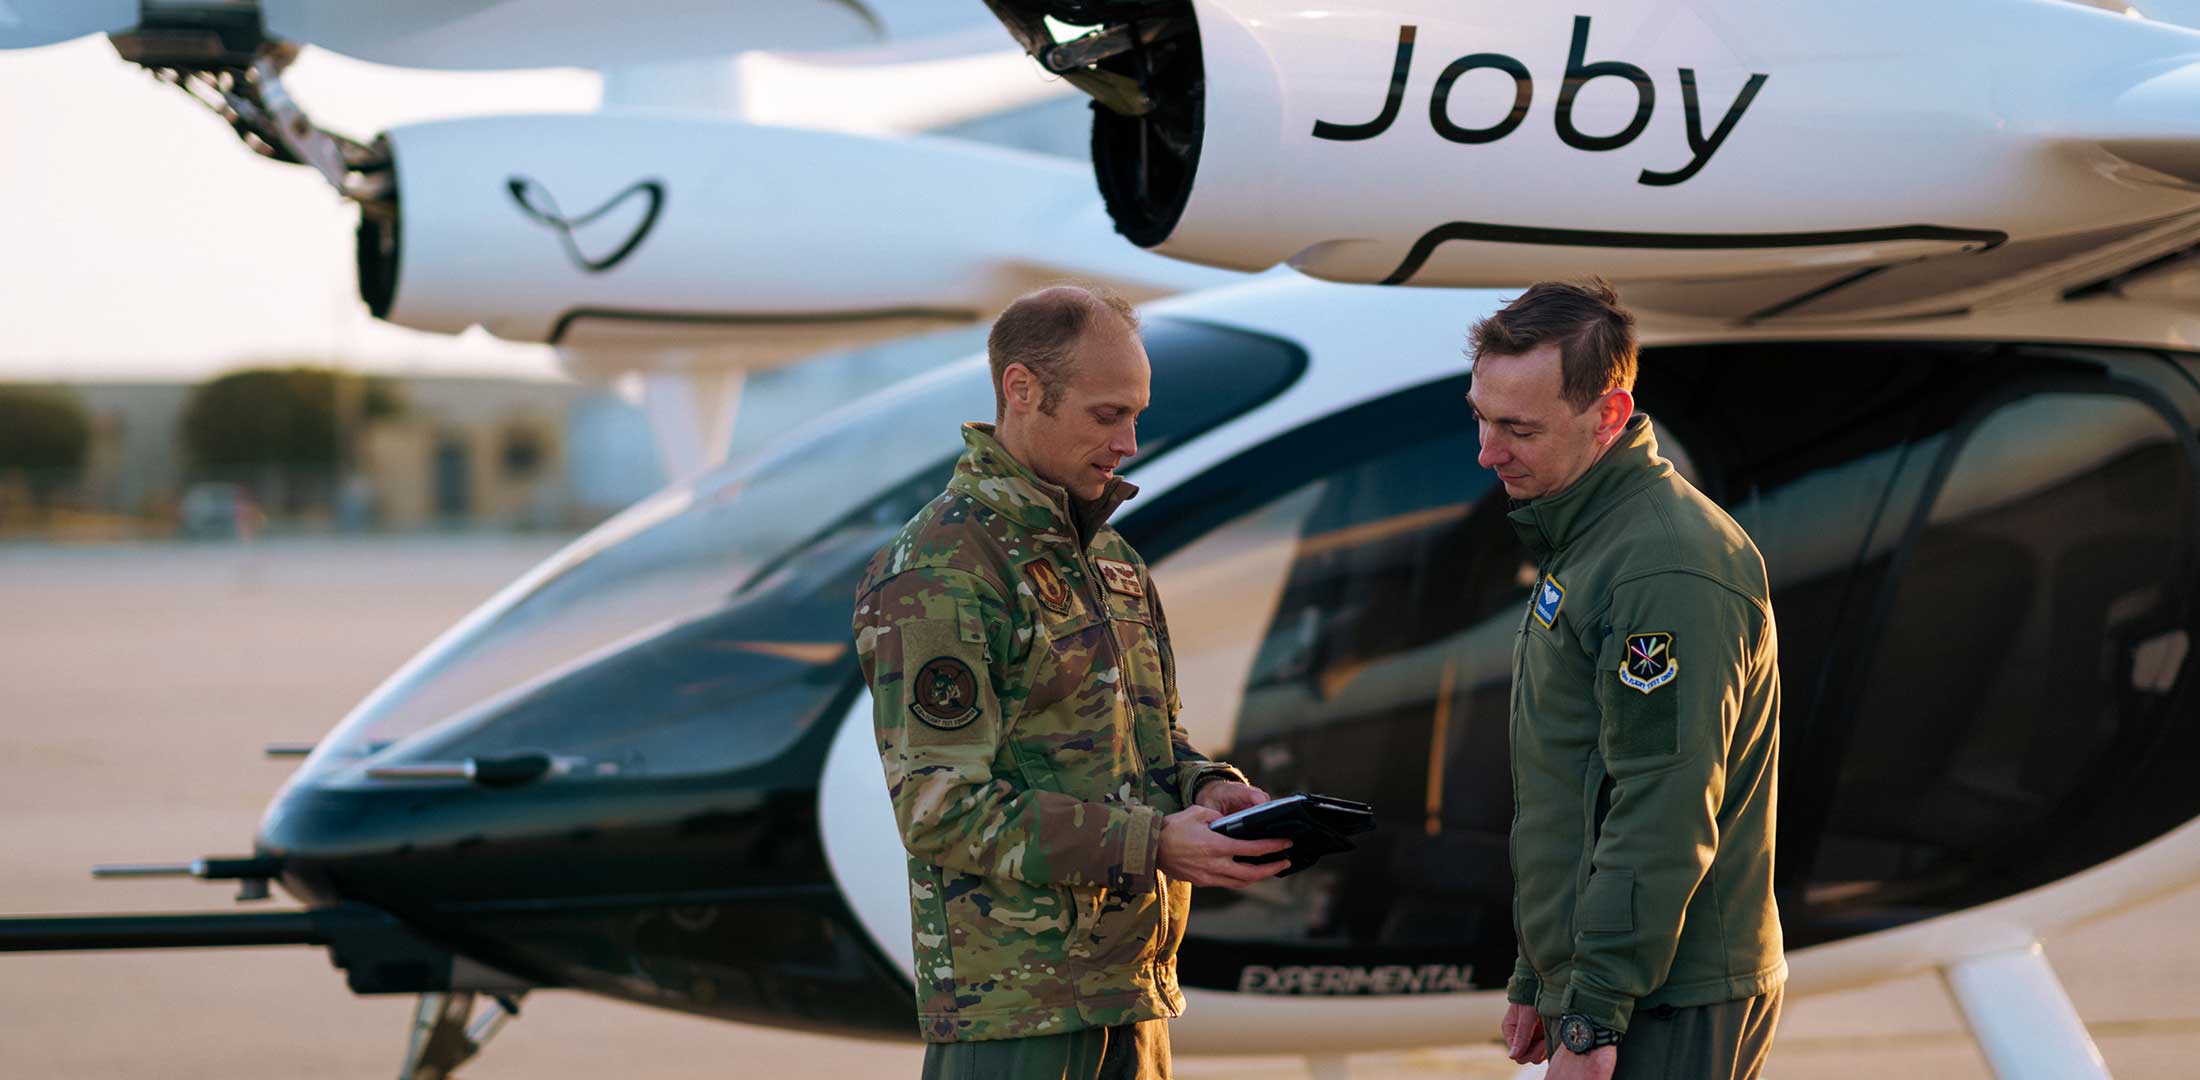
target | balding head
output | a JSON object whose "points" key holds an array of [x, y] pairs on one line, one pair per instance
{"points": [[1041, 331], [1070, 379]]}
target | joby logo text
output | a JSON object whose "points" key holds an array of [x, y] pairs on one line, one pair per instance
{"points": [[1578, 74]]}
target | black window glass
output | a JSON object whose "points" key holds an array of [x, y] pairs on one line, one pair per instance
{"points": [[2029, 640], [707, 629]]}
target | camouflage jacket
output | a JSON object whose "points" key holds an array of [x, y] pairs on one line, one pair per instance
{"points": [[1025, 704]]}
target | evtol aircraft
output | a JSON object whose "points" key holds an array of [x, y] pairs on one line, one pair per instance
{"points": [[1917, 292]]}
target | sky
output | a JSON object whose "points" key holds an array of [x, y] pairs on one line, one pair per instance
{"points": [[142, 240]]}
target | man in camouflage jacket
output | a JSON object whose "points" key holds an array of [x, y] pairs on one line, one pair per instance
{"points": [[1025, 706]]}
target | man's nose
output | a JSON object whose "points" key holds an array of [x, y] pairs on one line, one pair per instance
{"points": [[1125, 443], [1492, 456]]}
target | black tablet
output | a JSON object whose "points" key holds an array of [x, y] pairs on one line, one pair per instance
{"points": [[1316, 825]]}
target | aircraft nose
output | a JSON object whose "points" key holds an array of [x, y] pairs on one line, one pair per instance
{"points": [[691, 876], [706, 892]]}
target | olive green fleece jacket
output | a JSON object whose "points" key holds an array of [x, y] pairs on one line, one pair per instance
{"points": [[1645, 748]]}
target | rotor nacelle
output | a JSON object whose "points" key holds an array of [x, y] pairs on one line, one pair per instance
{"points": [[648, 230], [1438, 143]]}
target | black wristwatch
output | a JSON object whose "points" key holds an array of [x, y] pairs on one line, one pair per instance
{"points": [[1580, 1034]]}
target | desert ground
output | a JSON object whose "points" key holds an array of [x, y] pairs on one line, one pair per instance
{"points": [[138, 684]]}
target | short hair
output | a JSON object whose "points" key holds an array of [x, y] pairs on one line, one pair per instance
{"points": [[1595, 336], [1041, 330]]}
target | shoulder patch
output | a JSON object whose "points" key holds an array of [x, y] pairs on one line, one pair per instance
{"points": [[1047, 584], [1549, 597], [945, 693], [1648, 662], [1120, 577]]}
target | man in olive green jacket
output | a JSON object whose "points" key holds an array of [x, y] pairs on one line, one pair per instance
{"points": [[1645, 719], [1025, 703]]}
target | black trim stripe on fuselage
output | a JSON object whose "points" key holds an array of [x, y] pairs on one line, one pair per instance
{"points": [[1988, 239], [731, 318]]}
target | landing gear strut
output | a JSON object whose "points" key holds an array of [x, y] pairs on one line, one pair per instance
{"points": [[2024, 1022], [446, 1034]]}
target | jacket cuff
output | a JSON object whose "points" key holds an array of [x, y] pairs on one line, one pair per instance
{"points": [[1523, 987], [1191, 776], [1605, 1009], [1141, 862], [1522, 991]]}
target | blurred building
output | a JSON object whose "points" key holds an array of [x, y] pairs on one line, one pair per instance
{"points": [[460, 452], [452, 453]]}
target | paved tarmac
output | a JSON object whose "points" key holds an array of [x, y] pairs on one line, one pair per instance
{"points": [[138, 684]]}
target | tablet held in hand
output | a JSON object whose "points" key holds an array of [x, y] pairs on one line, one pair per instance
{"points": [[1316, 825]]}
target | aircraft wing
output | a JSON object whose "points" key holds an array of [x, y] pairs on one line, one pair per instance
{"points": [[505, 34], [497, 34]]}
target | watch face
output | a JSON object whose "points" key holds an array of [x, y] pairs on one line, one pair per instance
{"points": [[1576, 1033]]}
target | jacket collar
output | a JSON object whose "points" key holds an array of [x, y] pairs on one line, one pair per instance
{"points": [[993, 476], [1548, 524]]}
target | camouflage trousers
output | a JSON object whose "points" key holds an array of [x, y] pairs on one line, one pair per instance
{"points": [[1130, 1052]]}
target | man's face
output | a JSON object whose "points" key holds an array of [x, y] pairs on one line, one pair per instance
{"points": [[1531, 438], [1094, 426]]}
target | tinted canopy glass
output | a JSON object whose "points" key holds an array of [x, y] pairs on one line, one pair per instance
{"points": [[708, 627]]}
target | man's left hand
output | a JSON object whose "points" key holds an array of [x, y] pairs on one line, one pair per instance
{"points": [[1229, 796], [1597, 1064]]}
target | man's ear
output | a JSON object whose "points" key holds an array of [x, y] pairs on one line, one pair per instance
{"points": [[1613, 411], [1019, 388]]}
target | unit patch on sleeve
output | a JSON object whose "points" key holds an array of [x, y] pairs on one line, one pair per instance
{"points": [[1549, 597], [1120, 576], [1648, 662], [1047, 585], [946, 693]]}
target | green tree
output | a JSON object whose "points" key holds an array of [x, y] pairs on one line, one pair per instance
{"points": [[286, 416], [41, 431]]}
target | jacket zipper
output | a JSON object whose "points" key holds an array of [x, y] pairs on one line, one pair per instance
{"points": [[1512, 854]]}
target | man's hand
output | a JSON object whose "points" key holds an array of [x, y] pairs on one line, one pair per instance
{"points": [[1193, 852], [1523, 1030], [1597, 1064], [1229, 796]]}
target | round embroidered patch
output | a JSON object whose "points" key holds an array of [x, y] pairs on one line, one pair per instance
{"points": [[945, 693]]}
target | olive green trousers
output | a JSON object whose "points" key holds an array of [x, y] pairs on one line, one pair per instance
{"points": [[1130, 1052], [1727, 1041]]}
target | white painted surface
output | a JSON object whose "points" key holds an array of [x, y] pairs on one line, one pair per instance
{"points": [[787, 231], [2022, 1018]]}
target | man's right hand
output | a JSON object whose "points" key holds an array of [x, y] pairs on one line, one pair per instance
{"points": [[1190, 851], [1523, 1030]]}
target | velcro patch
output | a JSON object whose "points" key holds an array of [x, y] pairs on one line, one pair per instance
{"points": [[1120, 577], [944, 693], [1647, 661], [1549, 597], [1047, 585]]}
